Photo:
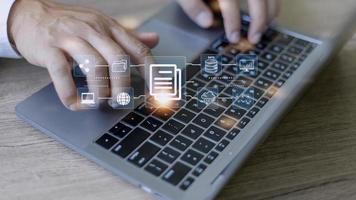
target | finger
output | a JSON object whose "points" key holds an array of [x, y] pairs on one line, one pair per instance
{"points": [[231, 14], [137, 50], [258, 13], [97, 74], [198, 12], [112, 53], [60, 71], [149, 39]]}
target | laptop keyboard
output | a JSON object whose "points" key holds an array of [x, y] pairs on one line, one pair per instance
{"points": [[178, 145]]}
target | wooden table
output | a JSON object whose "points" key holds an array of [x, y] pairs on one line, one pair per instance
{"points": [[310, 155]]}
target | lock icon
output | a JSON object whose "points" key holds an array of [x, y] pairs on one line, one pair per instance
{"points": [[119, 66]]}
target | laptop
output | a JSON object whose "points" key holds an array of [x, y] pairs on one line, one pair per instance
{"points": [[190, 152]]}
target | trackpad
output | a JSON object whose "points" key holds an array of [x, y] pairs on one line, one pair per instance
{"points": [[175, 41]]}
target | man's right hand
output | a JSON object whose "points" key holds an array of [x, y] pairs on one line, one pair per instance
{"points": [[261, 12], [49, 34]]}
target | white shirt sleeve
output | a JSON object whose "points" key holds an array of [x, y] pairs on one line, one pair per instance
{"points": [[6, 49]]}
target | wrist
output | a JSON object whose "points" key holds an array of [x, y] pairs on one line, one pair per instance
{"points": [[13, 14]]}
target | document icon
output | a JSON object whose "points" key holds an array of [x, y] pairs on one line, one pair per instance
{"points": [[165, 81]]}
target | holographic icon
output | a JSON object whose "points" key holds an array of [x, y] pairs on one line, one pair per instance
{"points": [[123, 99], [87, 98], [211, 65], [247, 64], [119, 66], [165, 81], [208, 97]]}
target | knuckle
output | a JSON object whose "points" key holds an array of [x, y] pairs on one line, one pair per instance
{"points": [[143, 50]]}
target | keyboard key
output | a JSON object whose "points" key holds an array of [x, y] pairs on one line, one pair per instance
{"points": [[222, 145], [232, 134], [243, 81], [235, 112], [120, 130], [195, 105], [284, 39], [192, 157], [143, 154], [176, 173], [199, 170], [287, 58], [279, 66], [271, 74], [161, 138], [224, 100], [276, 48], [186, 183], [133, 119], [263, 83], [184, 116], [203, 145], [225, 122], [195, 85], [234, 91], [173, 126], [254, 93], [214, 110], [219, 45], [156, 167], [295, 50], [280, 83], [203, 120], [271, 92], [262, 102], [226, 59], [270, 35], [261, 45], [131, 142], [204, 77], [216, 85], [192, 131], [163, 113], [211, 157], [243, 122], [151, 124], [269, 56], [168, 154], [262, 65], [301, 43], [214, 133], [146, 109], [253, 112], [181, 143], [245, 102], [287, 75], [107, 141]]}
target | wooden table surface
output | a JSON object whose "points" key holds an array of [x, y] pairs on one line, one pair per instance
{"points": [[310, 155]]}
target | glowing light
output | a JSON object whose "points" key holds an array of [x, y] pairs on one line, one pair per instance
{"points": [[163, 100]]}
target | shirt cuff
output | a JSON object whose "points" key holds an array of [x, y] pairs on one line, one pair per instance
{"points": [[6, 48]]}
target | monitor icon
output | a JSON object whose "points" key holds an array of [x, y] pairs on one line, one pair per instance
{"points": [[247, 65], [87, 98]]}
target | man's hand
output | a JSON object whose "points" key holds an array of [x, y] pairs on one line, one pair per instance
{"points": [[48, 34], [261, 12]]}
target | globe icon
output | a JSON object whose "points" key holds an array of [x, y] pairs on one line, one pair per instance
{"points": [[123, 99]]}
